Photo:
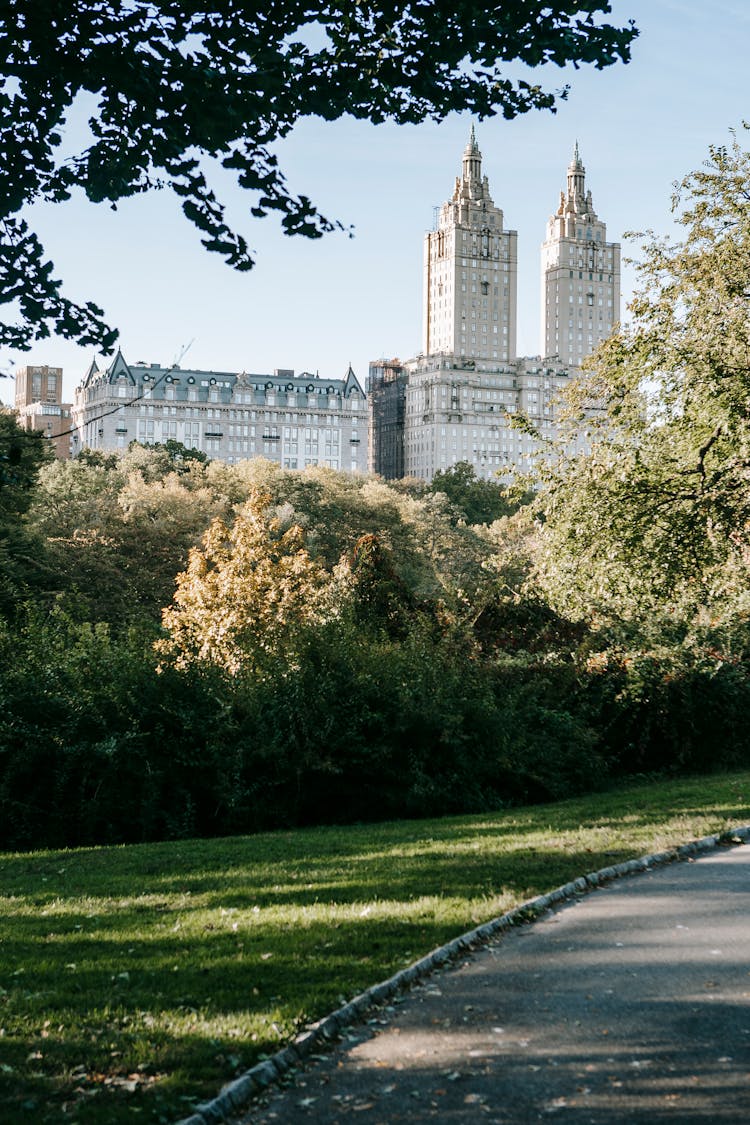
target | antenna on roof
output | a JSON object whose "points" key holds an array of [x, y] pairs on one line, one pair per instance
{"points": [[182, 353]]}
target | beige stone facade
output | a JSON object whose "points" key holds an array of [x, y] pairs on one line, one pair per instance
{"points": [[293, 418], [458, 409], [580, 275], [470, 272]]}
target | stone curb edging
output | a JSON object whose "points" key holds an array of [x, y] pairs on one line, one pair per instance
{"points": [[236, 1095]]}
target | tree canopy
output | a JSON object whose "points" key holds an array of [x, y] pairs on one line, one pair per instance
{"points": [[22, 453], [656, 511], [475, 500], [245, 594], [218, 648], [175, 84]]}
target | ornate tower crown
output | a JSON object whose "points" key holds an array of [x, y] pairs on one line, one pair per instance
{"points": [[470, 184], [576, 201]]}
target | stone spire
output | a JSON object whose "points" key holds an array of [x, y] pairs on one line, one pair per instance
{"points": [[471, 172], [576, 202]]}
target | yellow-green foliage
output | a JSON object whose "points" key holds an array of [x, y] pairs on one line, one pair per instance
{"points": [[245, 595]]}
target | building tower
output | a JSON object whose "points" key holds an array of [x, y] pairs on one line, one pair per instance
{"points": [[470, 272], [39, 405], [580, 275]]}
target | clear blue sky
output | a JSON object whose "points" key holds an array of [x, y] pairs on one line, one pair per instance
{"points": [[319, 305]]}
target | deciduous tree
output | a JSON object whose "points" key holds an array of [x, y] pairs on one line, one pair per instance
{"points": [[245, 596], [22, 455], [656, 513], [476, 500], [176, 82]]}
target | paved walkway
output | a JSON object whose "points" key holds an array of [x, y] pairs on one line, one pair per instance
{"points": [[628, 1007]]}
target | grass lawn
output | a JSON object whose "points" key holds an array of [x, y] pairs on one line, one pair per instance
{"points": [[137, 980]]}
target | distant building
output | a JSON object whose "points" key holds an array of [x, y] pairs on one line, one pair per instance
{"points": [[39, 406], [460, 409], [580, 275], [456, 401], [293, 419], [470, 272], [387, 396]]}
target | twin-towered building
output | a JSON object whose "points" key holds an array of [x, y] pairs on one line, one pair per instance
{"points": [[455, 401], [471, 273]]}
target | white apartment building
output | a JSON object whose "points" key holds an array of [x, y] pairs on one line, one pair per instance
{"points": [[458, 409], [470, 272], [580, 275], [293, 419]]}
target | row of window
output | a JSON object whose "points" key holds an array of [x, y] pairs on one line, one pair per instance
{"points": [[243, 416], [591, 275], [473, 263]]}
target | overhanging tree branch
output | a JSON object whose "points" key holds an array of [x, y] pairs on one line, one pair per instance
{"points": [[178, 82]]}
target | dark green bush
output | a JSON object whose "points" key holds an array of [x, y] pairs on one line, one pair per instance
{"points": [[668, 711], [95, 746], [100, 745]]}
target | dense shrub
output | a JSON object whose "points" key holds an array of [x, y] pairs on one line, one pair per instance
{"points": [[367, 727], [96, 747], [668, 710]]}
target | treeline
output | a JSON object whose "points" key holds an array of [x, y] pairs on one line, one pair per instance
{"points": [[193, 648]]}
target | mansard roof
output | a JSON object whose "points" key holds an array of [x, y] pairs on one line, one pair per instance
{"points": [[282, 379]]}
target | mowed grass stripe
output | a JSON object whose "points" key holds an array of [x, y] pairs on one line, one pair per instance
{"points": [[137, 980]]}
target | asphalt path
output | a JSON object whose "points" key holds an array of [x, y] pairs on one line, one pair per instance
{"points": [[628, 1006]]}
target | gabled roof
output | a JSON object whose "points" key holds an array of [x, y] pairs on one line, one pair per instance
{"points": [[118, 368], [91, 374], [352, 383]]}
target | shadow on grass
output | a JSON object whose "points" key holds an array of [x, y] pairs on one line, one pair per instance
{"points": [[135, 977]]}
